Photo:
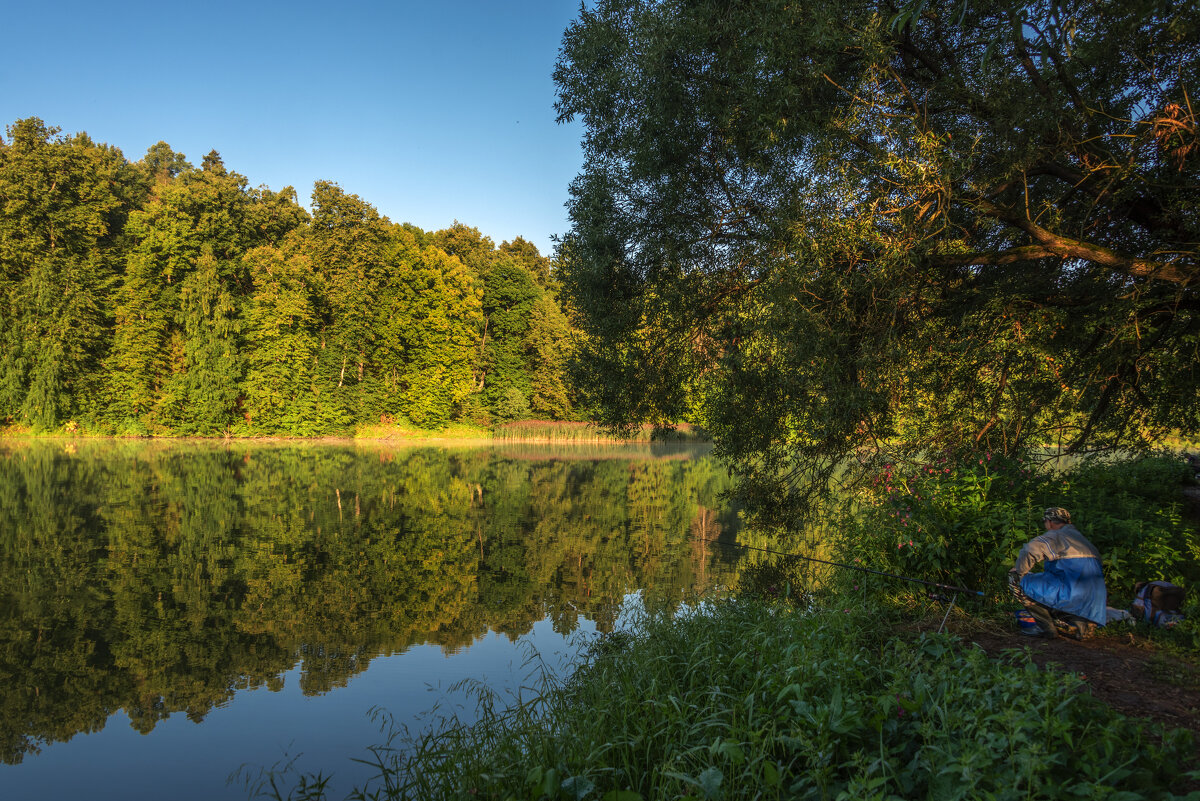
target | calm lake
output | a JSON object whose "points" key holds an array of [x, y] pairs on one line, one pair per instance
{"points": [[172, 612]]}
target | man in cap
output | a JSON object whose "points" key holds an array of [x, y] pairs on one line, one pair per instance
{"points": [[1068, 595]]}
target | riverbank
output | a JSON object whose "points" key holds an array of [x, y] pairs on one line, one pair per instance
{"points": [[744, 699], [838, 685], [524, 431]]}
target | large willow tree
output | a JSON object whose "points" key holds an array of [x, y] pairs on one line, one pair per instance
{"points": [[850, 228]]}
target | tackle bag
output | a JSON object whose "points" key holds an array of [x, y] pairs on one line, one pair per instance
{"points": [[1158, 602]]}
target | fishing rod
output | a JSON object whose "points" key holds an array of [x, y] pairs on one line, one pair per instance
{"points": [[947, 587]]}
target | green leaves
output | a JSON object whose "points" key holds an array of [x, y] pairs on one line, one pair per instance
{"points": [[828, 232], [708, 782], [63, 201], [923, 718], [137, 298]]}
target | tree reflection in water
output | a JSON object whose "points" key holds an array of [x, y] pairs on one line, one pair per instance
{"points": [[163, 578]]}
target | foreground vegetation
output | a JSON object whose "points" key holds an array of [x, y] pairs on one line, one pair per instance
{"points": [[742, 699], [963, 521], [810, 685]]}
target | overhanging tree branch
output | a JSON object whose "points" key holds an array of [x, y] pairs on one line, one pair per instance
{"points": [[1066, 247]]}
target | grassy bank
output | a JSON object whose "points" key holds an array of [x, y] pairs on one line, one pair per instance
{"points": [[745, 700]]}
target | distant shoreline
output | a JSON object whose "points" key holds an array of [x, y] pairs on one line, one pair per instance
{"points": [[524, 433]]}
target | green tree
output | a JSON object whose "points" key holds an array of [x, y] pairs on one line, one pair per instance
{"points": [[830, 229], [145, 349], [510, 293], [548, 346], [63, 202], [210, 319], [163, 163], [428, 320], [176, 361], [526, 254], [348, 243], [283, 343], [476, 251]]}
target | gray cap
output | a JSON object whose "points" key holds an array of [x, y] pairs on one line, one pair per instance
{"points": [[1056, 514]]}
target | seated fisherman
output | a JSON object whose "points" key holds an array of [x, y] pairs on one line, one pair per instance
{"points": [[1070, 588], [1193, 461]]}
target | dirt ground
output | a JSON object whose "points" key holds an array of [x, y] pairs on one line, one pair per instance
{"points": [[1126, 672]]}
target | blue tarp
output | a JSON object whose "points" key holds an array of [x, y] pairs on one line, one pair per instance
{"points": [[1074, 585]]}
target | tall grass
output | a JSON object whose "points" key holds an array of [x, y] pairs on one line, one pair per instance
{"points": [[552, 431], [741, 700], [387, 431], [533, 431]]}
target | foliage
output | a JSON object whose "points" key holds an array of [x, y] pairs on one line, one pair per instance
{"points": [[63, 203], [741, 700], [159, 298], [833, 229], [963, 522], [434, 316], [282, 318]]}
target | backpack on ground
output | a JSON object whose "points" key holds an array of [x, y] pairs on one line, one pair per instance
{"points": [[1158, 602]]}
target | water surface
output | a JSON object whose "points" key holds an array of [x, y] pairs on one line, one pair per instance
{"points": [[169, 612]]}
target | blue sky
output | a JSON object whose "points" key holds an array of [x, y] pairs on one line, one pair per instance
{"points": [[431, 111]]}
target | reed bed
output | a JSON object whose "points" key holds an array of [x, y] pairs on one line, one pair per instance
{"points": [[569, 432], [745, 700], [534, 431]]}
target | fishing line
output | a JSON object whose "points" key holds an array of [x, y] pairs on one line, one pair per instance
{"points": [[947, 587]]}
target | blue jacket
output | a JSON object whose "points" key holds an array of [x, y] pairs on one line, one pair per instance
{"points": [[1072, 579]]}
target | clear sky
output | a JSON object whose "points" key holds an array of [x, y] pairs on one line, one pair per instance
{"points": [[431, 111]]}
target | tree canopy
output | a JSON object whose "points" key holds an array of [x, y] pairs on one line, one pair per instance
{"points": [[863, 229], [158, 298]]}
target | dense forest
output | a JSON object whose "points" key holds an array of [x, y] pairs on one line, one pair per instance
{"points": [[155, 297]]}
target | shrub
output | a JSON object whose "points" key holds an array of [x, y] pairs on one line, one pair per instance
{"points": [[963, 522], [956, 522]]}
